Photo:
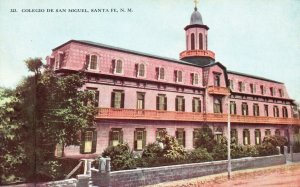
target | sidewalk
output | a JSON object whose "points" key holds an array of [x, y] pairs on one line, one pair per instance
{"points": [[280, 176]]}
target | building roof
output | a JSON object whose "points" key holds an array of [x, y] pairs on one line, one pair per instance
{"points": [[95, 44], [196, 18], [252, 76]]}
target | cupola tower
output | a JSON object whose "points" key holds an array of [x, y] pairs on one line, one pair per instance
{"points": [[196, 41]]}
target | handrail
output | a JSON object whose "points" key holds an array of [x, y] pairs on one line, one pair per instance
{"points": [[74, 170], [114, 113]]}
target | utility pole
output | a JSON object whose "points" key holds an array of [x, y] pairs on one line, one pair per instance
{"points": [[228, 142]]}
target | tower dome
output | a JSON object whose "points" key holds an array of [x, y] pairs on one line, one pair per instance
{"points": [[196, 18]]}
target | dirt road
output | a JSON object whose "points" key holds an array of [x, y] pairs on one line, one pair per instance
{"points": [[277, 176]]}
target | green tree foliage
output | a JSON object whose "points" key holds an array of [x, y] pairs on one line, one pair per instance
{"points": [[49, 108], [205, 139], [199, 155], [275, 140], [121, 157]]}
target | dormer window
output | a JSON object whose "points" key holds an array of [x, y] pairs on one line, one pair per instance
{"points": [[93, 62], [141, 70], [241, 86], [118, 66], [195, 78], [217, 81], [160, 73], [231, 84], [272, 91], [178, 76], [281, 94]]}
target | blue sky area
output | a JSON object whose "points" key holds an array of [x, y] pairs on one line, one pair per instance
{"points": [[258, 37]]}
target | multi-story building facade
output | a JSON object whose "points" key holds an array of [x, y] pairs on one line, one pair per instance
{"points": [[140, 94]]}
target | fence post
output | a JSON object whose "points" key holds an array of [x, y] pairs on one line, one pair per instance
{"points": [[102, 178]]}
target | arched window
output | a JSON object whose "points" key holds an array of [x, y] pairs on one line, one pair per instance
{"points": [[217, 106], [93, 63], [217, 80], [192, 41], [200, 41], [162, 73], [142, 70], [119, 66]]}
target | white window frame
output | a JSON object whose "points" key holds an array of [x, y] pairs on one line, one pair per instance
{"points": [[177, 79], [115, 61], [159, 73], [193, 80], [90, 62], [138, 70]]}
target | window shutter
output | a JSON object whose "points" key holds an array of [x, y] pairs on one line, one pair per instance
{"points": [[114, 65], [94, 143], [121, 136], [82, 144], [135, 140], [157, 72], [122, 99], [243, 86], [176, 104], [192, 78], [97, 93], [175, 76], [166, 104], [183, 104], [254, 88], [157, 102], [183, 138], [193, 105], [87, 61], [136, 69], [144, 138], [112, 99]]}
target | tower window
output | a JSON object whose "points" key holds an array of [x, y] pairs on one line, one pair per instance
{"points": [[192, 41], [200, 41], [217, 80]]}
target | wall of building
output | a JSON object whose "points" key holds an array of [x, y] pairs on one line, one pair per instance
{"points": [[129, 126]]}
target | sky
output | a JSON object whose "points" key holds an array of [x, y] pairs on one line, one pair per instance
{"points": [[258, 37]]}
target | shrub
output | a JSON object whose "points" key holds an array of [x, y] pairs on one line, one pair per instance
{"points": [[296, 147], [219, 151], [152, 155], [239, 151], [205, 139], [275, 140], [121, 157], [172, 151], [266, 149], [199, 155]]}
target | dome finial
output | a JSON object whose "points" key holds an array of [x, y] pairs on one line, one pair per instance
{"points": [[196, 4]]}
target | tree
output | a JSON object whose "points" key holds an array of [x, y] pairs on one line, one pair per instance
{"points": [[51, 109]]}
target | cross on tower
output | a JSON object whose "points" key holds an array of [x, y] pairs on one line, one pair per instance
{"points": [[196, 3]]}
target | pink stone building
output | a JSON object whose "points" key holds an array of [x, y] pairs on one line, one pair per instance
{"points": [[140, 94]]}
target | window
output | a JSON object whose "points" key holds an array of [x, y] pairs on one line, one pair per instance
{"points": [[192, 41], [267, 132], [272, 91], [200, 41], [241, 86], [266, 110], [95, 96], [117, 99], [246, 137], [277, 132], [115, 136], [275, 111], [161, 73], [206, 42], [244, 109], [217, 105], [141, 70], [195, 78], [219, 134], [232, 107], [284, 112], [262, 90], [234, 136], [255, 110], [93, 64], [257, 135], [251, 88], [180, 104], [180, 136], [196, 136], [231, 84], [281, 94], [140, 104], [217, 80], [139, 139], [161, 133], [178, 76], [118, 66], [161, 102], [196, 102], [88, 141]]}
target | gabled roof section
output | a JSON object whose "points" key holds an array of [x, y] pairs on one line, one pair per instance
{"points": [[100, 45], [253, 76]]}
